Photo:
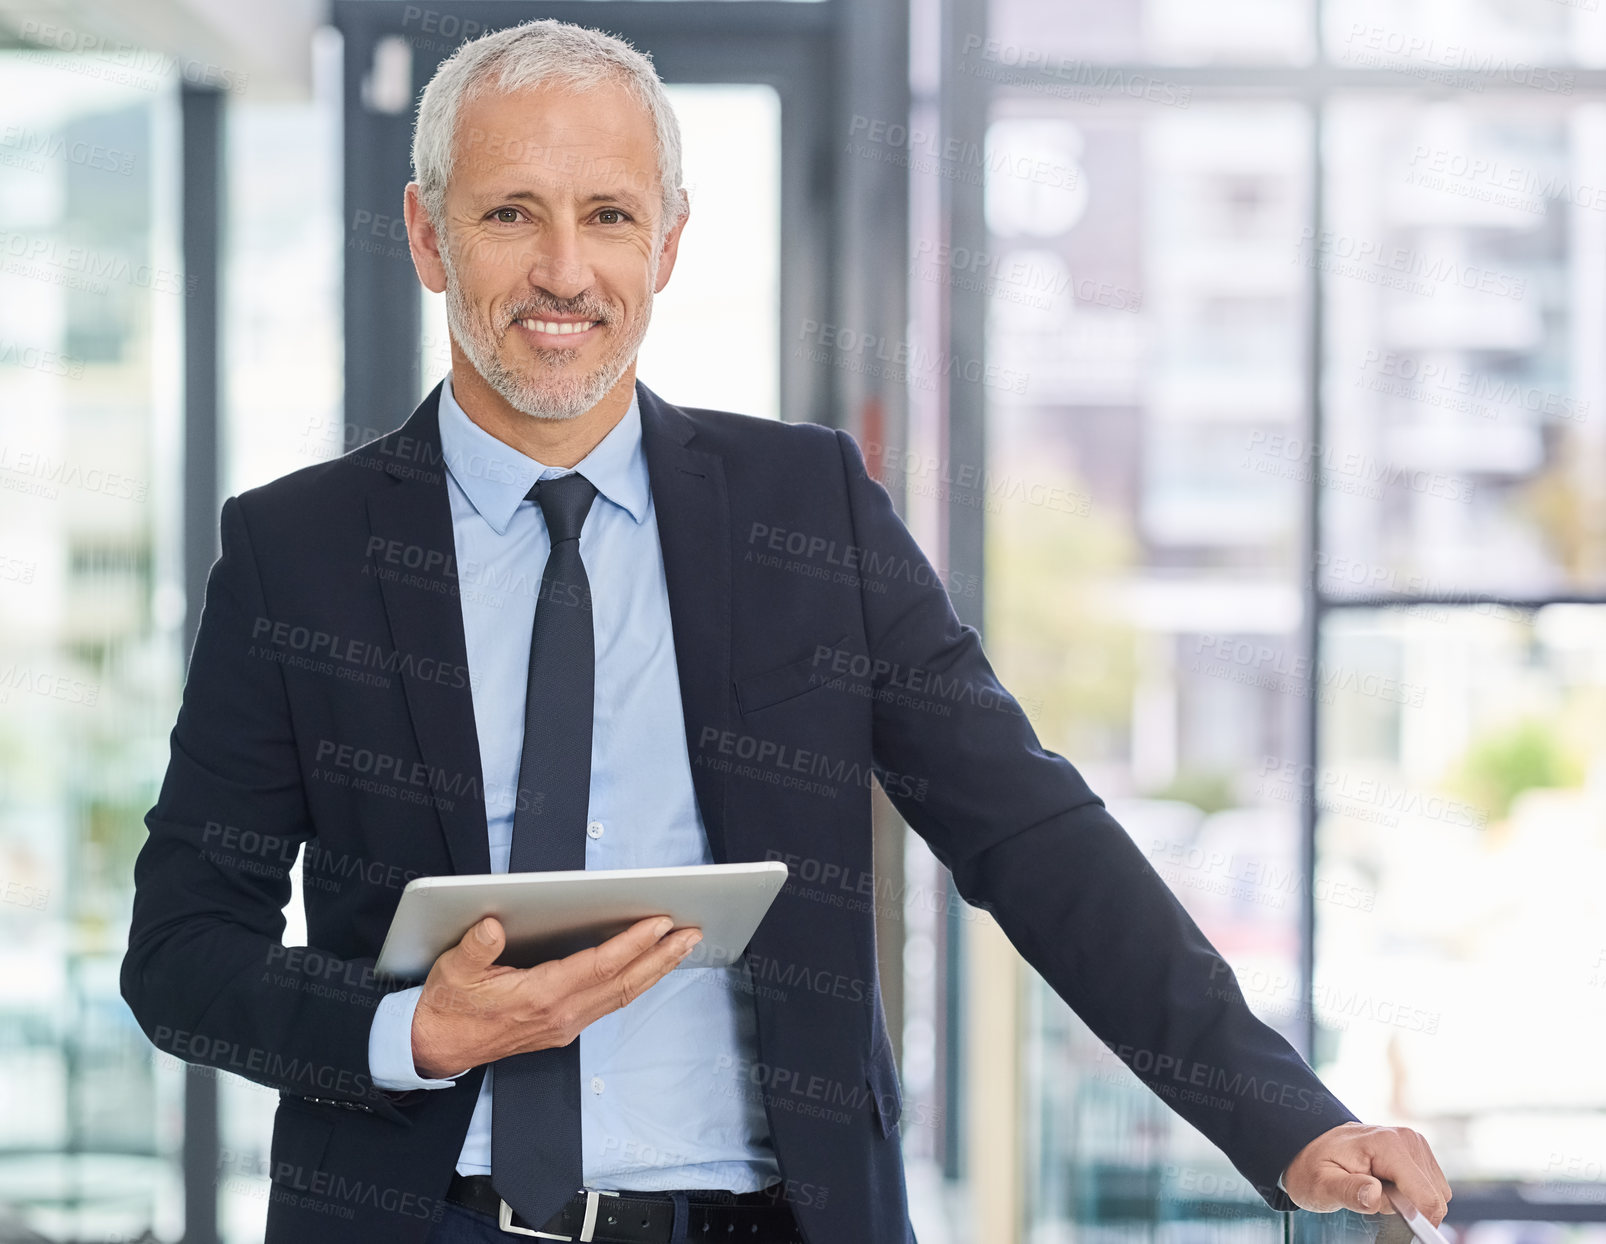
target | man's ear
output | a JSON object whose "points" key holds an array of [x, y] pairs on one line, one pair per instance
{"points": [[424, 241], [671, 245]]}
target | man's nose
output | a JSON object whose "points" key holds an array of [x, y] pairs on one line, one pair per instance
{"points": [[557, 265]]}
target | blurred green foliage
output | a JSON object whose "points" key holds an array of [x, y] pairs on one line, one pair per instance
{"points": [[1056, 642], [1500, 766], [1209, 792]]}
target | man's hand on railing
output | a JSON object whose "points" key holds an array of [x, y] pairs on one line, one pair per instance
{"points": [[1342, 1169]]}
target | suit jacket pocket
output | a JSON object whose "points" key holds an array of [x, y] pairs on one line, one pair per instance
{"points": [[786, 682], [301, 1133]]}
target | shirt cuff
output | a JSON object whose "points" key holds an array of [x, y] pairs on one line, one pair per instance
{"points": [[1280, 1186], [390, 1045]]}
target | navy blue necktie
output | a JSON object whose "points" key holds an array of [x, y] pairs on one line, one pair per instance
{"points": [[535, 1114]]}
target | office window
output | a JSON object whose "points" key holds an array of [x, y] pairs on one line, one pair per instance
{"points": [[1450, 43], [281, 339], [1157, 346], [1463, 375], [1089, 34], [1460, 794], [1320, 629], [91, 298]]}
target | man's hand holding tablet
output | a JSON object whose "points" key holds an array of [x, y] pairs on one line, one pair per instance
{"points": [[474, 1010]]}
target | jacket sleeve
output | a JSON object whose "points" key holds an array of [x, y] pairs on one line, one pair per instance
{"points": [[206, 974], [1027, 841]]}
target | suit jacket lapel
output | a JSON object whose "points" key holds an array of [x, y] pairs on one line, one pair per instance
{"points": [[693, 515], [410, 521], [693, 511]]}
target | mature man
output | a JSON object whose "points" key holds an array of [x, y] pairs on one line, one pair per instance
{"points": [[556, 622]]}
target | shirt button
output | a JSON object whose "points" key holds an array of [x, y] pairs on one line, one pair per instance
{"points": [[596, 1084], [594, 830]]}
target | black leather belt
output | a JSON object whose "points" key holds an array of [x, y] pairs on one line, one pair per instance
{"points": [[639, 1217]]}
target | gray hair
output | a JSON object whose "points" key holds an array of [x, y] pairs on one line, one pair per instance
{"points": [[532, 54]]}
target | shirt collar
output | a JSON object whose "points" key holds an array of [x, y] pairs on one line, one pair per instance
{"points": [[495, 477]]}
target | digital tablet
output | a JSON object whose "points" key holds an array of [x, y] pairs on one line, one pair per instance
{"points": [[547, 915]]}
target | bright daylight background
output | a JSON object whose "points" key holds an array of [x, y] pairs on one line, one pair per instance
{"points": [[1292, 532]]}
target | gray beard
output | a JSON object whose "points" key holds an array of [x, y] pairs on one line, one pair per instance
{"points": [[555, 396]]}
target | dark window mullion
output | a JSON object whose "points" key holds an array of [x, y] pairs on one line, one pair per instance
{"points": [[202, 117], [1453, 600], [1311, 615]]}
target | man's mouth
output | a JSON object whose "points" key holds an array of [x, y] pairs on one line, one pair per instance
{"points": [[557, 331]]}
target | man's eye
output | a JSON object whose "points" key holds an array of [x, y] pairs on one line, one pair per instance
{"points": [[619, 217], [506, 215]]}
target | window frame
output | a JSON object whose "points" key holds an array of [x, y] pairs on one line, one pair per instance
{"points": [[965, 105]]}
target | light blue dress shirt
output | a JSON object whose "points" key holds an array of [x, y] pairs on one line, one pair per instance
{"points": [[659, 1107]]}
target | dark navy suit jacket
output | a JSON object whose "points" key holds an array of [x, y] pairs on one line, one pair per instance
{"points": [[328, 706]]}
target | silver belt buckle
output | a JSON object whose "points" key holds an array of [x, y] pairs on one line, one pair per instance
{"points": [[504, 1219]]}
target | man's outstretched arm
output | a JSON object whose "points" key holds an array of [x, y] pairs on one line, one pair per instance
{"points": [[1029, 842]]}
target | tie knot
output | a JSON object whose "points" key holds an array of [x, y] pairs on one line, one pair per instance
{"points": [[564, 500]]}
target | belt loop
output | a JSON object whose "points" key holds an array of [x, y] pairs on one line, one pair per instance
{"points": [[588, 1226], [677, 1233]]}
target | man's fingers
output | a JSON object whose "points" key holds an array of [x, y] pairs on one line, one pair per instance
{"points": [[596, 965], [602, 963], [1397, 1159], [1348, 1190], [1342, 1169], [1423, 1153], [481, 945], [649, 968], [1421, 1190], [638, 976]]}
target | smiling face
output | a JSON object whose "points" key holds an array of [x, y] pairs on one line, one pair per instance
{"points": [[551, 248]]}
